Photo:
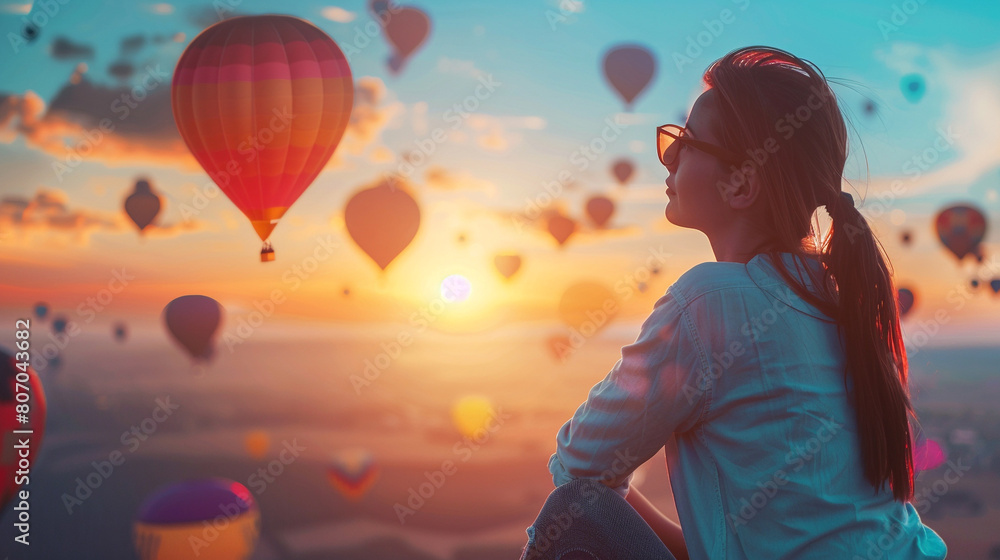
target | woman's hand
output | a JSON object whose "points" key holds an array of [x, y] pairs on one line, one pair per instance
{"points": [[668, 531]]}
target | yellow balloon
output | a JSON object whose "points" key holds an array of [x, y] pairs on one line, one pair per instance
{"points": [[470, 415]]}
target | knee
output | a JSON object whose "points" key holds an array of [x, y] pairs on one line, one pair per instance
{"points": [[582, 491]]}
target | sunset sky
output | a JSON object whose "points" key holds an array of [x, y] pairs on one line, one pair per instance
{"points": [[64, 236]]}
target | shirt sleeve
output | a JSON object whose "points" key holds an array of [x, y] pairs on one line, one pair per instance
{"points": [[657, 387]]}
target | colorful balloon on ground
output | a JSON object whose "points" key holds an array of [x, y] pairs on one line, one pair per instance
{"points": [[41, 310], [17, 377], [352, 472], [406, 29], [262, 102], [629, 69], [961, 228], [561, 228], [906, 300], [622, 169], [193, 321], [205, 519], [588, 307], [142, 206], [120, 331], [912, 86], [382, 220], [600, 209], [471, 415], [507, 265]]}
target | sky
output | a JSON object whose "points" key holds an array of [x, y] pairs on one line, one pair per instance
{"points": [[486, 181]]}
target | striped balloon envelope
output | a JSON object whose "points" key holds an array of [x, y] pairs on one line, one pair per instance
{"points": [[22, 420], [208, 519], [352, 472], [262, 103]]}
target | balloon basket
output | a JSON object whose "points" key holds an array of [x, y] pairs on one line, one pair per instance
{"points": [[267, 253]]}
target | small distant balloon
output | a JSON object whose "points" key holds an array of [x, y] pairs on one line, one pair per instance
{"points": [[352, 472], [471, 415], [906, 237], [120, 331], [961, 228], [507, 265], [382, 220], [59, 324], [642, 286], [906, 300], [655, 270], [142, 206], [461, 238], [629, 69], [193, 321], [588, 307], [406, 30], [347, 291], [18, 378], [995, 285], [175, 517], [927, 455], [869, 107], [974, 283], [256, 443], [622, 169], [561, 228], [30, 32], [913, 87], [41, 310], [560, 346], [600, 209]]}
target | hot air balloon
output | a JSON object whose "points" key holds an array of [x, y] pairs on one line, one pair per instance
{"points": [[974, 283], [406, 30], [256, 443], [41, 310], [912, 86], [906, 237], [352, 472], [560, 346], [262, 102], [120, 331], [561, 228], [192, 321], [588, 307], [382, 220], [381, 9], [17, 378], [961, 228], [59, 324], [171, 523], [995, 285], [471, 415], [347, 292], [906, 300], [622, 169], [642, 286], [600, 210], [629, 69], [507, 265], [142, 205], [927, 455]]}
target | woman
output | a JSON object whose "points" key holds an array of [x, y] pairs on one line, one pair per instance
{"points": [[776, 377]]}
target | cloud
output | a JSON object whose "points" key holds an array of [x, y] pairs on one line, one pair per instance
{"points": [[207, 16], [132, 44], [62, 49], [162, 9], [493, 133], [14, 8], [122, 70], [339, 15], [455, 66], [440, 178], [369, 117]]}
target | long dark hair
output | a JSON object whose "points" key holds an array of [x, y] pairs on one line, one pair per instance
{"points": [[764, 93]]}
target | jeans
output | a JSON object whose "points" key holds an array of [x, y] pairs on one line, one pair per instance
{"points": [[585, 520]]}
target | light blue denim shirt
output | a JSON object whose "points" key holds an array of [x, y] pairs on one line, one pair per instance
{"points": [[743, 383]]}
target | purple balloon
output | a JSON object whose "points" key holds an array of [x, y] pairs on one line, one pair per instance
{"points": [[192, 501], [192, 321], [629, 69]]}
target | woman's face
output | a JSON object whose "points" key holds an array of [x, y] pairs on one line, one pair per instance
{"points": [[694, 198]]}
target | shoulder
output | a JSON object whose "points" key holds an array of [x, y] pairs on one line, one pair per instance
{"points": [[708, 277]]}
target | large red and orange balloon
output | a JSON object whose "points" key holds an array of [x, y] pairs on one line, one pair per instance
{"points": [[961, 228], [262, 102], [17, 377]]}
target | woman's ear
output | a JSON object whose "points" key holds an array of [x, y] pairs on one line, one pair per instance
{"points": [[743, 195]]}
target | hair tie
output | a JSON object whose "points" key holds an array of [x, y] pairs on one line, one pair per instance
{"points": [[848, 196]]}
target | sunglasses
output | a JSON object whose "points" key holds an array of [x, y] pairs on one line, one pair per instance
{"points": [[670, 138]]}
